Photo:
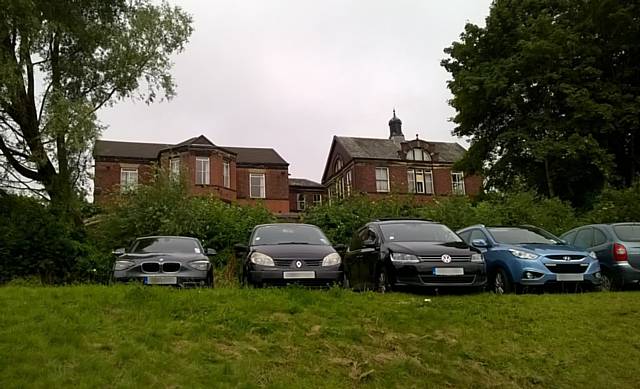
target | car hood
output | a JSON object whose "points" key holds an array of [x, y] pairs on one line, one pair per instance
{"points": [[163, 257], [550, 249], [431, 248], [299, 251]]}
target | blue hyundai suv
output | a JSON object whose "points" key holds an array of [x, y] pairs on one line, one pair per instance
{"points": [[521, 257]]}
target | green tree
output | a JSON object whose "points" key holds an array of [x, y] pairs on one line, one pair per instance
{"points": [[60, 62], [549, 94]]}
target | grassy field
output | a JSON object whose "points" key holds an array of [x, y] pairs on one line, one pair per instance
{"points": [[132, 336]]}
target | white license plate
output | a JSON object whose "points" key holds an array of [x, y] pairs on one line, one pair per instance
{"points": [[160, 280], [288, 275], [570, 277], [448, 271]]}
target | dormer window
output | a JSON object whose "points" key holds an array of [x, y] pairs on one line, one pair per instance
{"points": [[418, 154]]}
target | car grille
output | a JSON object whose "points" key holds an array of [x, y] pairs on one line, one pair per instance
{"points": [[151, 267], [448, 279], [170, 267], [563, 268], [305, 262], [438, 258], [572, 257]]}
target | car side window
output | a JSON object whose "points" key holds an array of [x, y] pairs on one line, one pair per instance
{"points": [[371, 235], [465, 236], [570, 237], [599, 237], [356, 241], [584, 238], [477, 234]]}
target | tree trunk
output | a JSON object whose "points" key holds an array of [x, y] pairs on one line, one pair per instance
{"points": [[547, 172]]}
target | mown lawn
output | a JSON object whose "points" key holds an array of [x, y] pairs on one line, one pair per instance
{"points": [[132, 336]]}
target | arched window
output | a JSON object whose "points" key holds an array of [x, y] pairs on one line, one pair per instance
{"points": [[417, 154]]}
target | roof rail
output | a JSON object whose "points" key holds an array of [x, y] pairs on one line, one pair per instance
{"points": [[475, 225], [386, 219]]}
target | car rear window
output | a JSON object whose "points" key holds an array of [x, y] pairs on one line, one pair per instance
{"points": [[516, 235], [166, 245], [628, 232], [289, 234], [418, 232]]}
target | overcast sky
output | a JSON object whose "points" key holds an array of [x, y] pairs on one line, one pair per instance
{"points": [[291, 74]]}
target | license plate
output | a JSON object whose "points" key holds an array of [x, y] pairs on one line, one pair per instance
{"points": [[158, 280], [448, 271], [570, 277], [288, 275]]}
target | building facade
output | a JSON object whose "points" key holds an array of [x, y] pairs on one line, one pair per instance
{"points": [[304, 194], [379, 167], [234, 174]]}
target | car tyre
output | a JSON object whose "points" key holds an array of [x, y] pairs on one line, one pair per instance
{"points": [[608, 283], [501, 283], [382, 281], [209, 283]]}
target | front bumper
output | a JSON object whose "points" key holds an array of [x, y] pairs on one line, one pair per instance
{"points": [[184, 278], [429, 274], [541, 273], [310, 276]]}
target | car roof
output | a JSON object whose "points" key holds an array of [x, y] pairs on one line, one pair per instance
{"points": [[401, 220], [286, 224], [166, 236]]}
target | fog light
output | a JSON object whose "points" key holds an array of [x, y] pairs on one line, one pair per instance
{"points": [[598, 275], [529, 275]]}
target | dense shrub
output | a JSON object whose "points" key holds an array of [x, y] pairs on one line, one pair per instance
{"points": [[34, 242], [341, 218], [616, 206]]}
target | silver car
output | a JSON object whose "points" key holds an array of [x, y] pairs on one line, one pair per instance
{"points": [[165, 260]]}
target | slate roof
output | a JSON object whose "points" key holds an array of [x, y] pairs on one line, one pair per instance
{"points": [[137, 150], [304, 182], [372, 148]]}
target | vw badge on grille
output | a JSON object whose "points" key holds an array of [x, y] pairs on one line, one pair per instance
{"points": [[298, 264], [446, 258], [566, 258]]}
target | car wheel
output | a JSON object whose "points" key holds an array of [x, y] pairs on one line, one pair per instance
{"points": [[210, 280], [608, 283], [382, 281], [501, 282]]}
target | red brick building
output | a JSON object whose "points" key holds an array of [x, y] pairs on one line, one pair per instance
{"points": [[378, 167], [234, 174], [304, 194]]}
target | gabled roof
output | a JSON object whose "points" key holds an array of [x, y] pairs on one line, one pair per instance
{"points": [[257, 156], [304, 182], [196, 141]]}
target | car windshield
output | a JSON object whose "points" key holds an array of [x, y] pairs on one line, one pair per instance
{"points": [[289, 234], [521, 235], [165, 245], [628, 232], [418, 232]]}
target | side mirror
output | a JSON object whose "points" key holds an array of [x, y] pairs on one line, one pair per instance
{"points": [[480, 243], [564, 242], [369, 243], [118, 252], [240, 249], [211, 252], [340, 248]]}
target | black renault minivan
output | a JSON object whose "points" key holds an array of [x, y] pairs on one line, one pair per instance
{"points": [[289, 253]]}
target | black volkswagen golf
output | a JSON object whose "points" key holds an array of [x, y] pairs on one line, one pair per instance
{"points": [[388, 253], [286, 253]]}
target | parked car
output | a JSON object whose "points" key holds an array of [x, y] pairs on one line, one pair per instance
{"points": [[289, 253], [164, 260], [527, 256], [617, 246], [385, 254]]}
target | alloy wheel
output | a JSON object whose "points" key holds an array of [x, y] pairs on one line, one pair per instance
{"points": [[382, 282], [606, 283], [498, 283]]}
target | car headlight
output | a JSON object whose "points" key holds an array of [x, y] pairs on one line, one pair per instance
{"points": [[261, 259], [123, 265], [200, 265], [404, 258], [477, 258], [593, 255], [331, 260], [523, 254]]}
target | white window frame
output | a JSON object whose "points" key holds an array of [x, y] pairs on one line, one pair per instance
{"points": [[413, 179], [379, 181], [457, 183], [128, 178], [348, 182], [317, 199], [174, 167], [301, 201], [202, 175], [262, 187], [226, 174]]}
